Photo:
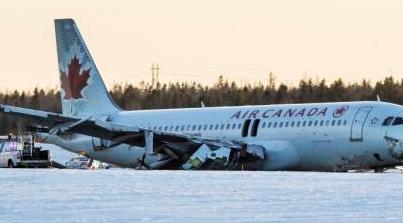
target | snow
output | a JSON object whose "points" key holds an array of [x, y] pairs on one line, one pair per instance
{"points": [[122, 195]]}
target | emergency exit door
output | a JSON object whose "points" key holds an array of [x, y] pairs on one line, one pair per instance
{"points": [[357, 127]]}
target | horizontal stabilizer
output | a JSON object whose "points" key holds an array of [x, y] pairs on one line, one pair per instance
{"points": [[42, 116]]}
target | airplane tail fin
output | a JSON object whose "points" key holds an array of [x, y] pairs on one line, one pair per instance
{"points": [[83, 92]]}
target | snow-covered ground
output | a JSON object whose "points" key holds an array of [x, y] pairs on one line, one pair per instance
{"points": [[120, 195]]}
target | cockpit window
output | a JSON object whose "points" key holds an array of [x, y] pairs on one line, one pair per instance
{"points": [[398, 121], [387, 121]]}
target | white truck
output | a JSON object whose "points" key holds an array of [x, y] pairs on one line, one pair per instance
{"points": [[21, 152]]}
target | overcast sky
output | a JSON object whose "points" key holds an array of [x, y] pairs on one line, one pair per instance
{"points": [[199, 40]]}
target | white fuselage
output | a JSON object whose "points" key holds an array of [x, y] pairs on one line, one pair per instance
{"points": [[322, 136]]}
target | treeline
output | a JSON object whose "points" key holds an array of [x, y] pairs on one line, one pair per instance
{"points": [[222, 93]]}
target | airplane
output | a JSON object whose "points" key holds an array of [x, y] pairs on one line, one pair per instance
{"points": [[334, 137]]}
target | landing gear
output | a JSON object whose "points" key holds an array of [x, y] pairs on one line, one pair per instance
{"points": [[380, 169], [142, 163]]}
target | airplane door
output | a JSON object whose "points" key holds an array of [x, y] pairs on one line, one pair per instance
{"points": [[245, 128], [357, 126]]}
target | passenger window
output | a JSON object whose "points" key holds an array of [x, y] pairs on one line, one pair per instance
{"points": [[321, 123], [166, 128], [234, 126], [345, 122], [327, 122], [171, 128], [200, 127], [309, 123], [269, 125], [298, 123], [188, 128], [160, 128], [194, 128], [398, 121], [239, 125], [315, 123], [183, 128], [274, 124], [228, 126], [177, 128], [387, 121], [205, 127], [222, 126], [292, 124], [303, 123], [286, 124], [263, 125], [280, 125], [339, 122], [333, 122], [217, 126], [211, 127]]}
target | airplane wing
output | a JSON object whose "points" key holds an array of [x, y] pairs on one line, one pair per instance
{"points": [[192, 151], [42, 116]]}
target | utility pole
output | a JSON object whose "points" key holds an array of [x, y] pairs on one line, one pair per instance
{"points": [[154, 74]]}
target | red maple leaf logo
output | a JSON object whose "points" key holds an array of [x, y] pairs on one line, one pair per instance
{"points": [[74, 82], [340, 111]]}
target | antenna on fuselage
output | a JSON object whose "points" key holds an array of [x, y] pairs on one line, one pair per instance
{"points": [[202, 104], [378, 98]]}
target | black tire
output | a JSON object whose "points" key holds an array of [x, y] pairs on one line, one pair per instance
{"points": [[10, 164]]}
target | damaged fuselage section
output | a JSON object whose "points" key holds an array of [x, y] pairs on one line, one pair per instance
{"points": [[155, 149], [174, 152]]}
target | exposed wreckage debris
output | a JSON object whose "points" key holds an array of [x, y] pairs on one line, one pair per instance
{"points": [[182, 152], [395, 147], [202, 155]]}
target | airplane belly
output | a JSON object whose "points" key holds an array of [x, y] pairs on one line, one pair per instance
{"points": [[365, 154], [320, 156], [280, 155], [121, 155]]}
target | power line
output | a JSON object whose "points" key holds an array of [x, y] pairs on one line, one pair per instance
{"points": [[154, 74]]}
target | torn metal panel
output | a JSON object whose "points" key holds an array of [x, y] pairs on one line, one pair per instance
{"points": [[395, 147], [205, 155], [249, 157]]}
